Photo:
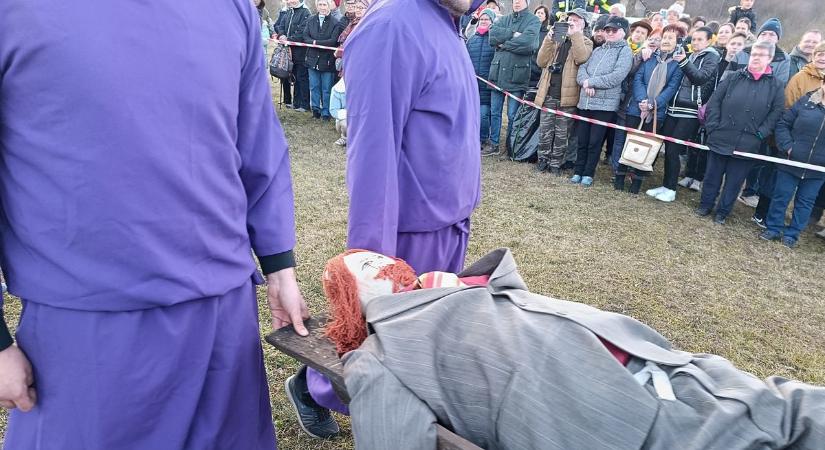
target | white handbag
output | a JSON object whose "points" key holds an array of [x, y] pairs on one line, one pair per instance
{"points": [[640, 151]]}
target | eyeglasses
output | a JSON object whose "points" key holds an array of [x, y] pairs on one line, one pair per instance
{"points": [[760, 55], [611, 30]]}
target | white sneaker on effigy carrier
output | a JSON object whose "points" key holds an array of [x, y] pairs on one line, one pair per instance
{"points": [[655, 192]]}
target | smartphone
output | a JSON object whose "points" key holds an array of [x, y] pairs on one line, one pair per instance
{"points": [[560, 31]]}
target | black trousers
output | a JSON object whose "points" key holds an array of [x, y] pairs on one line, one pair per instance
{"points": [[301, 94], [733, 170], [286, 87], [679, 128], [591, 139]]}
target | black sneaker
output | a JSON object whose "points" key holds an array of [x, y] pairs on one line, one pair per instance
{"points": [[789, 242], [314, 419], [556, 171], [702, 212], [719, 219], [541, 166], [759, 221], [768, 235]]}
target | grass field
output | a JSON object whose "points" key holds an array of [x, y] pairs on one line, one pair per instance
{"points": [[708, 288]]}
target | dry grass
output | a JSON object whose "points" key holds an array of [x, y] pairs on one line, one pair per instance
{"points": [[708, 288]]}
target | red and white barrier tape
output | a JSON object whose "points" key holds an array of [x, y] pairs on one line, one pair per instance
{"points": [[608, 124]]}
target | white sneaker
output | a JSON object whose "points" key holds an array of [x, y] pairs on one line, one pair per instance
{"points": [[342, 142], [655, 192], [696, 185], [666, 196], [821, 233], [685, 182]]}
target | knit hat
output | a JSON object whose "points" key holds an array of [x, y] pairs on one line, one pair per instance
{"points": [[600, 22], [772, 24], [489, 13]]}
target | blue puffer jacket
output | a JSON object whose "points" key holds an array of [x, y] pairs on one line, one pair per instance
{"points": [[802, 130], [481, 54], [641, 80]]}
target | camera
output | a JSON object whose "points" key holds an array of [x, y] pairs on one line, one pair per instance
{"points": [[556, 68]]}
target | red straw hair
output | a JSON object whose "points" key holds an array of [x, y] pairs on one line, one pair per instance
{"points": [[348, 329]]}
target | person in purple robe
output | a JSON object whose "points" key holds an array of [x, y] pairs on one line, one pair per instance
{"points": [[413, 165], [139, 165]]}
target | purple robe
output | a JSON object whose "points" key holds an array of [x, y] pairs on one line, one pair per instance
{"points": [[140, 160], [413, 155], [413, 158]]}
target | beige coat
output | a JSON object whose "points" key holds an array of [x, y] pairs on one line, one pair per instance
{"points": [[808, 79], [580, 52]]}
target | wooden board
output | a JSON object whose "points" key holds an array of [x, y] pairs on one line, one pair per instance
{"points": [[318, 352]]}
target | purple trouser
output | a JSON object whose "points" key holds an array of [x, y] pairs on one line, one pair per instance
{"points": [[188, 376], [441, 250]]}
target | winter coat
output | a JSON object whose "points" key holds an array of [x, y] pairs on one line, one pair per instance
{"points": [[606, 69], [580, 50], [510, 68], [737, 13], [481, 54], [338, 101], [565, 6], [326, 35], [807, 80], [291, 23], [697, 85], [798, 61], [802, 131], [781, 64], [640, 83], [743, 112]]}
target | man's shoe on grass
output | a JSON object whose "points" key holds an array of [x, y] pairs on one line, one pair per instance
{"points": [[696, 185], [768, 235], [759, 221], [719, 219], [315, 420], [789, 242], [656, 191], [492, 150], [685, 182], [702, 212], [666, 196]]}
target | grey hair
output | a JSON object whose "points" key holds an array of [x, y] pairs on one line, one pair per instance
{"points": [[328, 2], [765, 45]]}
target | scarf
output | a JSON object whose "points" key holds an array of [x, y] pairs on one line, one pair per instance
{"points": [[758, 75], [634, 47], [482, 30], [658, 78]]}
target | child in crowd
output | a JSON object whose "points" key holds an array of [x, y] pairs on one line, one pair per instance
{"points": [[743, 11], [338, 110]]}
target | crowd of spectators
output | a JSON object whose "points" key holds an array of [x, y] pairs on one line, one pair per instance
{"points": [[728, 86]]}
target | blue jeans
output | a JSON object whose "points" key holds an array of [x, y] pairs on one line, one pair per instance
{"points": [[496, 107], [320, 87], [485, 122], [784, 188]]}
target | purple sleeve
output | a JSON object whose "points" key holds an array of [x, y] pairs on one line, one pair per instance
{"points": [[262, 146], [383, 73]]}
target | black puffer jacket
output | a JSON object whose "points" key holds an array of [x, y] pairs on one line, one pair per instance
{"points": [[697, 84], [802, 130], [291, 23], [327, 35], [743, 112]]}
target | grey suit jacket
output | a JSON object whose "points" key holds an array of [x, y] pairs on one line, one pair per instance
{"points": [[508, 369]]}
